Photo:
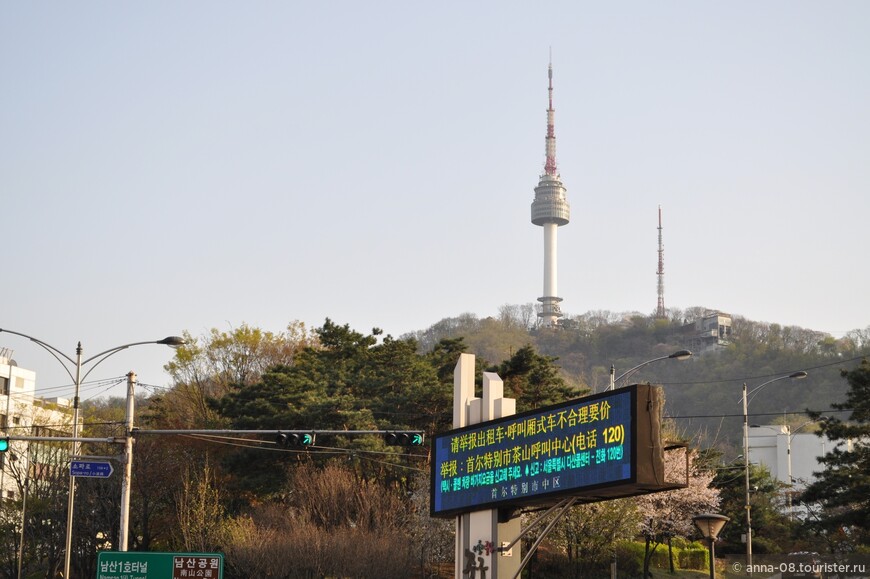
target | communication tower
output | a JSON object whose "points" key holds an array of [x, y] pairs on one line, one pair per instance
{"points": [[660, 309], [550, 210]]}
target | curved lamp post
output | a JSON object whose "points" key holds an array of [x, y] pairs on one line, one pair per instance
{"points": [[678, 355], [748, 505], [77, 377], [710, 524]]}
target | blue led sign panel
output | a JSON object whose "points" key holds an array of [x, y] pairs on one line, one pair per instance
{"points": [[579, 445]]}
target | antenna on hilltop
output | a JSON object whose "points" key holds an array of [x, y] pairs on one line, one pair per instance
{"points": [[660, 308]]}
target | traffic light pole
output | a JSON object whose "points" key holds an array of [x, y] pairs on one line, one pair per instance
{"points": [[108, 440], [138, 431]]}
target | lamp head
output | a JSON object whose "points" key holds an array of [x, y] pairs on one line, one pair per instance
{"points": [[798, 375], [710, 524], [681, 354], [172, 341]]}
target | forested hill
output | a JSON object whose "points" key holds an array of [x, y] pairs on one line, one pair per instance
{"points": [[703, 393]]}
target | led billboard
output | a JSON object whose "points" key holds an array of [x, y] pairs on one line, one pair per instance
{"points": [[601, 446]]}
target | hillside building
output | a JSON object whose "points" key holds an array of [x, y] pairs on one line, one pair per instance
{"points": [[23, 413], [709, 332]]}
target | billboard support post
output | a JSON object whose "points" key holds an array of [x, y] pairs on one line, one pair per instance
{"points": [[479, 534]]}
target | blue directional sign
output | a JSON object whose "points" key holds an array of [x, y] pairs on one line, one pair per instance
{"points": [[91, 468]]}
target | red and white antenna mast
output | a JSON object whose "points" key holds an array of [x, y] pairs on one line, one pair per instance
{"points": [[660, 308], [550, 163]]}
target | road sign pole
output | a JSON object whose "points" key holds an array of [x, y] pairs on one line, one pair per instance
{"points": [[70, 499]]}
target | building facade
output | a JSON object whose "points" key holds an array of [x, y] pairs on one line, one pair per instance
{"points": [[792, 457], [22, 413], [709, 332]]}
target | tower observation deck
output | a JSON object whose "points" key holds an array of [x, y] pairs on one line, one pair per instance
{"points": [[550, 210]]}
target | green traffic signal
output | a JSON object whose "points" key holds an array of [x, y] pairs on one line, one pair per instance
{"points": [[403, 438], [4, 444], [288, 439]]}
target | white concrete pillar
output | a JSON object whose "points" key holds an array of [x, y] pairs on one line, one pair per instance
{"points": [[482, 526]]}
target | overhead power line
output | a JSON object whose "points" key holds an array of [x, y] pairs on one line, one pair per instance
{"points": [[761, 377]]}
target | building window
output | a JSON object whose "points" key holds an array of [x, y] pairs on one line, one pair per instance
{"points": [[4, 385]]}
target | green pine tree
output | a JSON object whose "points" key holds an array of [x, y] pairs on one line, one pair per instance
{"points": [[843, 487]]}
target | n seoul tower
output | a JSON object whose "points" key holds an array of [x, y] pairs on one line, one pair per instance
{"points": [[550, 210]]}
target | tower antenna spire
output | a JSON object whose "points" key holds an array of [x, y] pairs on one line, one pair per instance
{"points": [[660, 308], [550, 210], [550, 147]]}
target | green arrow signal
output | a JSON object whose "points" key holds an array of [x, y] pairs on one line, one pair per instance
{"points": [[288, 439]]}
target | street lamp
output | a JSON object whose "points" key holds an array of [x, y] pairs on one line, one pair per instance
{"points": [[710, 524], [678, 355], [78, 364], [748, 505]]}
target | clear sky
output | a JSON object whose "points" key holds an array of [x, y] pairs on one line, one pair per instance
{"points": [[187, 165]]}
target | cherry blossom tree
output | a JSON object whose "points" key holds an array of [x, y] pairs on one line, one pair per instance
{"points": [[669, 514]]}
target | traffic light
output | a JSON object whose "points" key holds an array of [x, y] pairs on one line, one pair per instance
{"points": [[4, 444], [288, 439], [403, 438]]}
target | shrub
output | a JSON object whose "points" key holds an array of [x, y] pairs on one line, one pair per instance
{"points": [[693, 558]]}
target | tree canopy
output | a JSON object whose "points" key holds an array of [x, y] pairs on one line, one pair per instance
{"points": [[337, 378], [843, 485]]}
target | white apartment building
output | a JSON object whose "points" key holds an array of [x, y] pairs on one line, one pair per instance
{"points": [[22, 413], [791, 456]]}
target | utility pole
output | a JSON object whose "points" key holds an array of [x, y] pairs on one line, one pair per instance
{"points": [[748, 505], [128, 464]]}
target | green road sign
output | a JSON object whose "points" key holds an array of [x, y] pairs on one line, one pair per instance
{"points": [[147, 565]]}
